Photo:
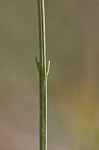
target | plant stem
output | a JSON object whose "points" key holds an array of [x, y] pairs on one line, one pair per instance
{"points": [[43, 74]]}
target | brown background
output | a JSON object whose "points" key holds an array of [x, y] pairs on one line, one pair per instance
{"points": [[72, 28]]}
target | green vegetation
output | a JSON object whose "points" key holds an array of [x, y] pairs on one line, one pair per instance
{"points": [[43, 74]]}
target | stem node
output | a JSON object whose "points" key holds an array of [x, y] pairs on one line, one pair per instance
{"points": [[48, 68], [38, 64]]}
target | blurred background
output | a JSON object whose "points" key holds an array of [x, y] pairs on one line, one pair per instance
{"points": [[72, 29]]}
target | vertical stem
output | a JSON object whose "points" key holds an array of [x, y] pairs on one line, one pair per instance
{"points": [[42, 36], [43, 73]]}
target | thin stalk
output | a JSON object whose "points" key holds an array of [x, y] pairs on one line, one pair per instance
{"points": [[43, 74]]}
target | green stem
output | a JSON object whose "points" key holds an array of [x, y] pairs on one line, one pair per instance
{"points": [[43, 74]]}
